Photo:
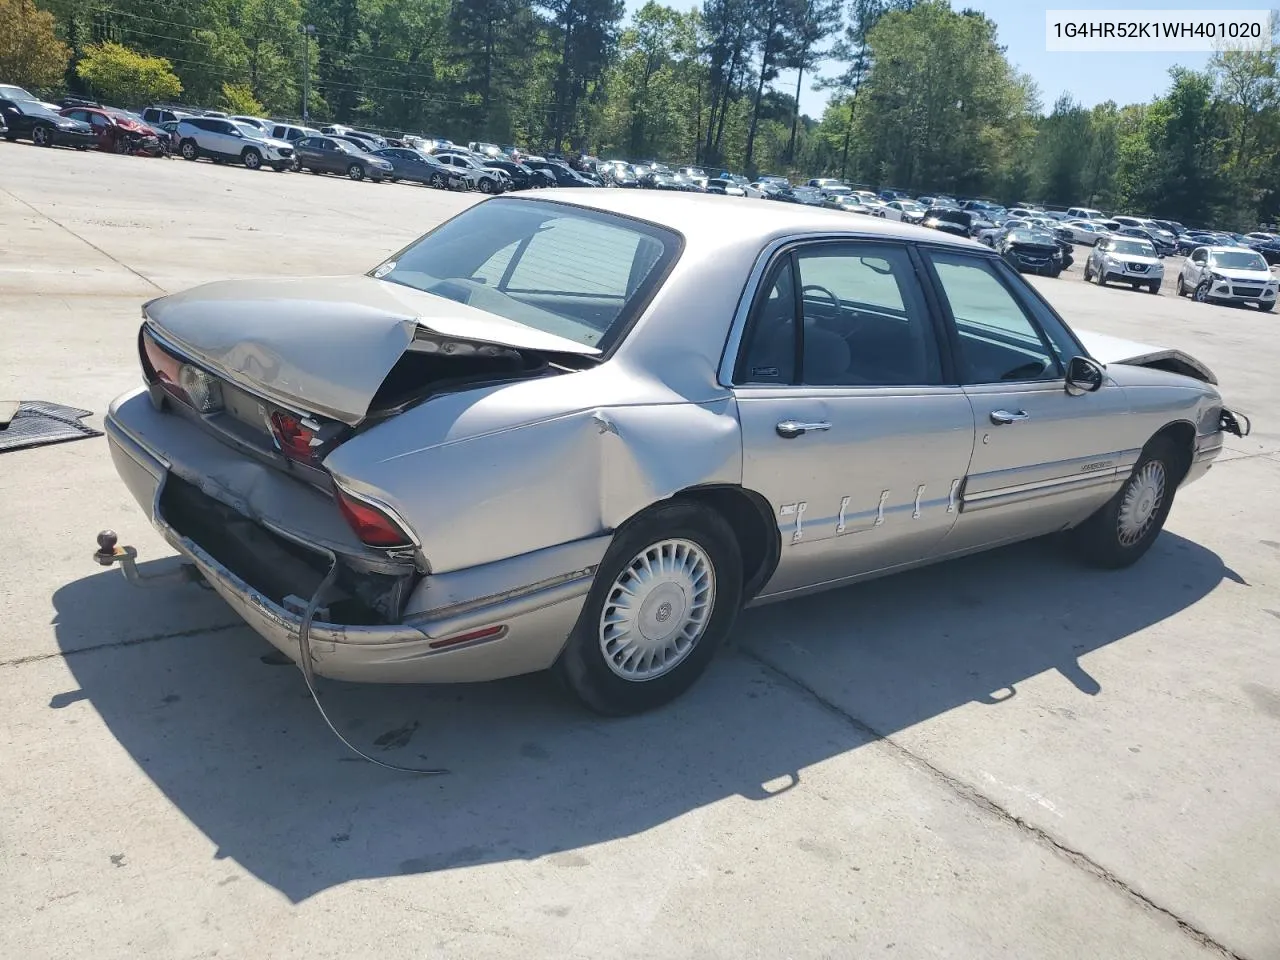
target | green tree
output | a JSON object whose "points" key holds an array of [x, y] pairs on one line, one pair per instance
{"points": [[238, 99], [30, 52], [819, 19], [122, 75]]}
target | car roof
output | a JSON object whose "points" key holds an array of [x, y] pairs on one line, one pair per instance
{"points": [[1229, 248], [705, 219]]}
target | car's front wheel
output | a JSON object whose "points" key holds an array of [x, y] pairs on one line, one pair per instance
{"points": [[664, 597], [1154, 287], [40, 137], [1124, 528], [436, 181], [1267, 307], [1201, 294], [252, 158], [1088, 274], [487, 186], [1182, 287], [355, 172], [189, 150]]}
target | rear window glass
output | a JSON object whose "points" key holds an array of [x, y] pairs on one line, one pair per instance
{"points": [[580, 274]]}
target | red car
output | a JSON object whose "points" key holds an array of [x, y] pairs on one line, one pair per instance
{"points": [[118, 132]]}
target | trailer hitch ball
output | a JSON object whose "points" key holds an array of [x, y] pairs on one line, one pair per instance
{"points": [[110, 552]]}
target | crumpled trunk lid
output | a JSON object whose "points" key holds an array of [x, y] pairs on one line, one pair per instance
{"points": [[324, 345]]}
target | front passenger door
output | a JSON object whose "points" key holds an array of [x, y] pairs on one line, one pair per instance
{"points": [[852, 426], [1043, 458]]}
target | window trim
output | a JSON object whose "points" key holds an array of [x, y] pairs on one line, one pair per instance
{"points": [[762, 280], [998, 270]]}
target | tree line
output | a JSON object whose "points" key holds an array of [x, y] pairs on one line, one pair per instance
{"points": [[922, 96]]}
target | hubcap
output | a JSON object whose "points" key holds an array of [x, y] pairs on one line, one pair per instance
{"points": [[1202, 294], [657, 609], [1142, 499]]}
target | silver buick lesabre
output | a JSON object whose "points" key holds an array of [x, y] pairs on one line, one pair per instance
{"points": [[581, 432]]}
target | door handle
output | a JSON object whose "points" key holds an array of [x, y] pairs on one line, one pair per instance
{"points": [[1007, 416], [790, 429]]}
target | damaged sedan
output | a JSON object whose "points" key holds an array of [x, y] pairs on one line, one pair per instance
{"points": [[581, 433]]}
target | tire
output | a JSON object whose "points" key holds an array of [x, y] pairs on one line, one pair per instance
{"points": [[487, 186], [701, 540], [1181, 288], [281, 166], [1087, 275], [355, 172], [119, 146], [1154, 288], [437, 181], [1124, 528], [296, 164], [252, 158], [1201, 293], [40, 137], [1267, 307], [394, 179], [189, 150]]}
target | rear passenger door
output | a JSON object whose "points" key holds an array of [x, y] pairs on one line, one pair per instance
{"points": [[1043, 458], [853, 426]]}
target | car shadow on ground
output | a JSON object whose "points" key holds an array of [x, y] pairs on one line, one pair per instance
{"points": [[236, 744]]}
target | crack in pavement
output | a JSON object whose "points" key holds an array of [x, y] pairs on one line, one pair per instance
{"points": [[120, 263], [115, 644], [977, 798]]}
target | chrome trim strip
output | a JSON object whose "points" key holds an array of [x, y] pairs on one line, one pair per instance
{"points": [[1048, 486]]}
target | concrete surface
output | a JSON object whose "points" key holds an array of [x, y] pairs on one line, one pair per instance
{"points": [[1008, 756]]}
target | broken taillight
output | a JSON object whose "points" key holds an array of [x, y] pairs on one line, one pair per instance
{"points": [[183, 381], [371, 525]]}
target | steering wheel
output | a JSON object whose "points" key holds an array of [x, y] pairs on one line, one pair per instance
{"points": [[835, 301]]}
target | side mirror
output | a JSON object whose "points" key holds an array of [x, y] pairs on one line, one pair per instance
{"points": [[1084, 376]]}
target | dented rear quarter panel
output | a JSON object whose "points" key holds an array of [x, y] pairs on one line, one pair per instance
{"points": [[500, 472]]}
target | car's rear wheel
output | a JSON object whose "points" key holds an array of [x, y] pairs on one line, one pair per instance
{"points": [[40, 137], [355, 172], [189, 150], [1124, 528], [1201, 294], [252, 158], [664, 598]]}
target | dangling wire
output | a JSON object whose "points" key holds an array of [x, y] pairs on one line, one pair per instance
{"points": [[308, 674]]}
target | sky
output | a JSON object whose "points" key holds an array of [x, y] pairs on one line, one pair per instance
{"points": [[1091, 78]]}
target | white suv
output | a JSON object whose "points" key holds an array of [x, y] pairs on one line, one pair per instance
{"points": [[221, 140]]}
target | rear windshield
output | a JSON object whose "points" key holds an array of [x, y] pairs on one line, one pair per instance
{"points": [[579, 274]]}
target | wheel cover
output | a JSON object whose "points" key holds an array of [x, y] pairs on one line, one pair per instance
{"points": [[252, 160], [1141, 502], [657, 609]]}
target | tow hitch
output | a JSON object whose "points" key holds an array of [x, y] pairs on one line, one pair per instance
{"points": [[110, 553]]}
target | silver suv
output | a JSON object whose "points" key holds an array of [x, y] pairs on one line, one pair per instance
{"points": [[225, 140]]}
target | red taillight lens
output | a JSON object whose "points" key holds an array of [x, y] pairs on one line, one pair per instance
{"points": [[372, 526], [295, 441]]}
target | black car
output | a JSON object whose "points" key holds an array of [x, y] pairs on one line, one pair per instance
{"points": [[563, 175], [1032, 251], [1269, 248], [1163, 247], [32, 120], [782, 192], [409, 164], [959, 223], [335, 155], [522, 177]]}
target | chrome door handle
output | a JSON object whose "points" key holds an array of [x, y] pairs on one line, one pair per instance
{"points": [[790, 429], [1007, 416]]}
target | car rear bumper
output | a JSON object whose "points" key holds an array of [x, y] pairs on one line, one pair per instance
{"points": [[535, 618]]}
